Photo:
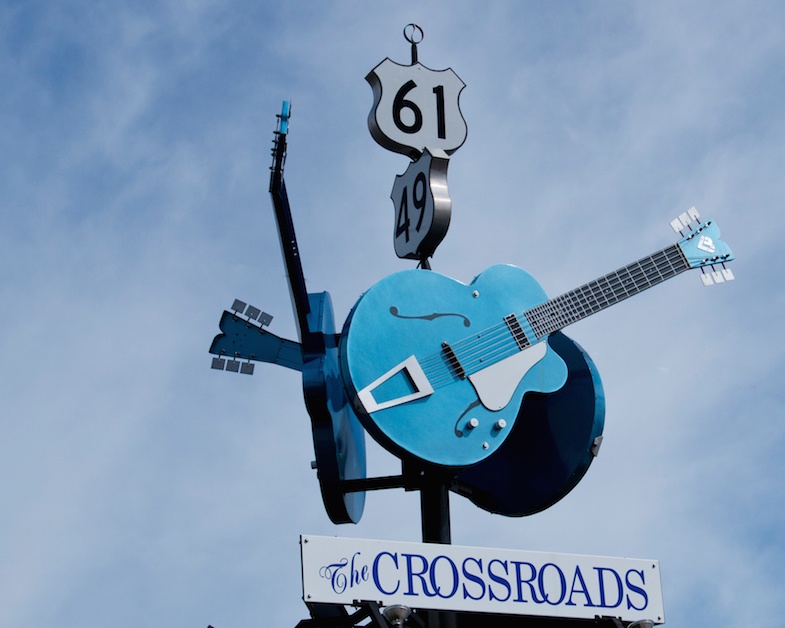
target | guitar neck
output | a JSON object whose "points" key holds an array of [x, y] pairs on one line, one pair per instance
{"points": [[601, 293], [283, 218]]}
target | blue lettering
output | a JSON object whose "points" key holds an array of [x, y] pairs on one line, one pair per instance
{"points": [[619, 589], [454, 571], [411, 574], [473, 578], [357, 574], [334, 573], [578, 576], [636, 589], [499, 580], [375, 572], [562, 584], [529, 581]]}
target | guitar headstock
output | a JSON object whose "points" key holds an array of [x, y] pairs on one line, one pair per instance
{"points": [[244, 338], [279, 144], [703, 248], [252, 313]]}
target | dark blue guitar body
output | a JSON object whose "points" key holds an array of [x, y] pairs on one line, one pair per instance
{"points": [[550, 447], [338, 439]]}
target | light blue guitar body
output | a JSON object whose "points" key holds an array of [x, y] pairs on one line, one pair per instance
{"points": [[437, 369], [407, 390]]}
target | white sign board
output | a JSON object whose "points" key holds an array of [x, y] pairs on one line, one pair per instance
{"points": [[480, 580]]}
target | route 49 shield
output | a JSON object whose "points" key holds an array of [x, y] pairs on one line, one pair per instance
{"points": [[422, 206]]}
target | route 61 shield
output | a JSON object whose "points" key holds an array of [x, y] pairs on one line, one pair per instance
{"points": [[416, 108], [422, 206]]}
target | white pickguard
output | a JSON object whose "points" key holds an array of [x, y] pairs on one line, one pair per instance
{"points": [[496, 384]]}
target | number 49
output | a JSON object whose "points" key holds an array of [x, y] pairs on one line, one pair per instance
{"points": [[419, 199]]}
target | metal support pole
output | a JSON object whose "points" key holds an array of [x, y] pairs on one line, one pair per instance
{"points": [[435, 509], [435, 512]]}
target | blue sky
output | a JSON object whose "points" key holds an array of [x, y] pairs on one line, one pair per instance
{"points": [[142, 488]]}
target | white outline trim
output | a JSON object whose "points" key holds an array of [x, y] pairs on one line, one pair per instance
{"points": [[413, 369]]}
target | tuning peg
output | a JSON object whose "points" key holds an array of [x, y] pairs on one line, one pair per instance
{"points": [[252, 312], [684, 220], [233, 365], [717, 276], [246, 368], [218, 364]]}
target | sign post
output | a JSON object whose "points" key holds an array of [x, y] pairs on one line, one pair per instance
{"points": [[439, 373]]}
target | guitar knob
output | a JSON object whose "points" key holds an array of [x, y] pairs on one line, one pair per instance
{"points": [[500, 424], [473, 422]]}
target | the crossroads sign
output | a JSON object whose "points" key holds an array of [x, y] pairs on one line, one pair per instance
{"points": [[480, 580]]}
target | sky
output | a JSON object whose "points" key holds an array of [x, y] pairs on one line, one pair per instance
{"points": [[140, 487]]}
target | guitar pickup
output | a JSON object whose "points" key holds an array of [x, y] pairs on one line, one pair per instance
{"points": [[452, 360]]}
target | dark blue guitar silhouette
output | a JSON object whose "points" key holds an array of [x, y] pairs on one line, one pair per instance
{"points": [[339, 441]]}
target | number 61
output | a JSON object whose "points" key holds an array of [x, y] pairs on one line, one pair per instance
{"points": [[401, 102]]}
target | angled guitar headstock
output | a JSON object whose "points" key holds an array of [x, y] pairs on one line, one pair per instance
{"points": [[703, 248], [244, 338]]}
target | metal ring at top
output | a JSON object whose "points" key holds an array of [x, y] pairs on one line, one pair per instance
{"points": [[413, 33]]}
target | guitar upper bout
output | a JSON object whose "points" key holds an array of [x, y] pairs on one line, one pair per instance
{"points": [[420, 357]]}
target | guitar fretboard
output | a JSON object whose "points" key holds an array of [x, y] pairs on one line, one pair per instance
{"points": [[596, 295]]}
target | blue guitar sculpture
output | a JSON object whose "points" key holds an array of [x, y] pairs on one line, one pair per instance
{"points": [[339, 442], [438, 370]]}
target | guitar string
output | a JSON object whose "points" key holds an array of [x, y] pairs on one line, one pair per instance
{"points": [[559, 312], [498, 341], [483, 354], [481, 344]]}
